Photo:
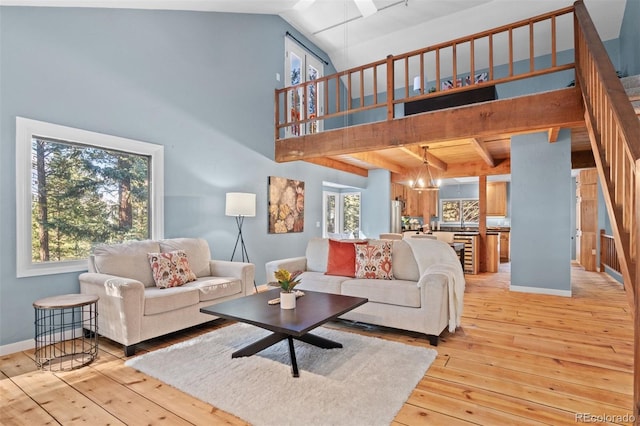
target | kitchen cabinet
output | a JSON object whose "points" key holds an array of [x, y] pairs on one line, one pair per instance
{"points": [[397, 192], [429, 204], [416, 203], [504, 247], [493, 252], [497, 199], [412, 199]]}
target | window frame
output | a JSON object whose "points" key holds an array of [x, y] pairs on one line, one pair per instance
{"points": [[459, 201], [342, 197], [307, 60], [339, 211], [26, 129]]}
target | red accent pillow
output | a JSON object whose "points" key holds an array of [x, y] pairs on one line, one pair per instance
{"points": [[342, 258]]}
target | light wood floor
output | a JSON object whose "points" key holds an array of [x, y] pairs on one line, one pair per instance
{"points": [[518, 359]]}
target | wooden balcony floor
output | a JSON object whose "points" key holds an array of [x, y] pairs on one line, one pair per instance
{"points": [[518, 359]]}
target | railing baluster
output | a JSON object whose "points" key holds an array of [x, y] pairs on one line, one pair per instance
{"points": [[554, 53], [438, 83], [344, 103], [423, 81], [362, 87], [375, 85], [472, 62], [490, 56], [406, 77], [454, 58], [532, 62], [510, 52]]}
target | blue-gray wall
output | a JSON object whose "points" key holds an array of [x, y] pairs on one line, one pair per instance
{"points": [[630, 39], [187, 80], [376, 201], [540, 213]]}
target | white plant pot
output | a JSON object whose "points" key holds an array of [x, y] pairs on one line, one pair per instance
{"points": [[287, 300]]}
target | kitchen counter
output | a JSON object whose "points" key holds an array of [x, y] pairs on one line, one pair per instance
{"points": [[467, 232], [470, 238], [457, 229]]}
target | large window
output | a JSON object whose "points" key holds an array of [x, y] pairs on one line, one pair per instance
{"points": [[76, 189], [341, 218]]}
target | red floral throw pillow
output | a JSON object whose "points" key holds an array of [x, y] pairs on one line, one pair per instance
{"points": [[342, 258], [374, 261], [171, 269]]}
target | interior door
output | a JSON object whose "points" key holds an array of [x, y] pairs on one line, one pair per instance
{"points": [[586, 218]]}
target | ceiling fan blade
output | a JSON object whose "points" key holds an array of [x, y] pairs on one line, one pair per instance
{"points": [[366, 7], [303, 4]]}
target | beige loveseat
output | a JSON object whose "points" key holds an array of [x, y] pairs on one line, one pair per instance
{"points": [[425, 294], [132, 309]]}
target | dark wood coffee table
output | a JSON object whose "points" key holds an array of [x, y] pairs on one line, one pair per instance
{"points": [[312, 310]]}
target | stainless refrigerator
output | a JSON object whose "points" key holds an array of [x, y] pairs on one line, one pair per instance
{"points": [[396, 216]]}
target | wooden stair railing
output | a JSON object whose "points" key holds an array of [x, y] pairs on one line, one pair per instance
{"points": [[614, 131], [385, 83], [608, 253]]}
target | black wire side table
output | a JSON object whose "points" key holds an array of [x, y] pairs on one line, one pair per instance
{"points": [[66, 331]]}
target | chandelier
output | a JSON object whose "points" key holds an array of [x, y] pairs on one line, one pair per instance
{"points": [[424, 180]]}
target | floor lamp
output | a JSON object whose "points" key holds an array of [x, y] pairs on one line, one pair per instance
{"points": [[241, 205]]}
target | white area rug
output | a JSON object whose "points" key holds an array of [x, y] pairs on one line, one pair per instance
{"points": [[364, 383]]}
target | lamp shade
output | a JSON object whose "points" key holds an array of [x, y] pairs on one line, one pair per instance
{"points": [[240, 204]]}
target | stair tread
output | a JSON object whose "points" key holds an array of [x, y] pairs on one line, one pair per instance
{"points": [[633, 92], [630, 81]]}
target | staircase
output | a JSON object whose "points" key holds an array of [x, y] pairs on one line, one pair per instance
{"points": [[612, 106], [631, 87]]}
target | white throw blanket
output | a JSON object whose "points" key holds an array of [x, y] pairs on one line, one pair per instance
{"points": [[437, 257]]}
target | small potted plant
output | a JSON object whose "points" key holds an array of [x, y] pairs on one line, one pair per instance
{"points": [[287, 281]]}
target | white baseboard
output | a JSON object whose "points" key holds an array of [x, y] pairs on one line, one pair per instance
{"points": [[11, 348], [539, 290], [26, 345]]}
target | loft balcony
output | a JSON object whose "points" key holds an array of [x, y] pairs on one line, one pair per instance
{"points": [[372, 116]]}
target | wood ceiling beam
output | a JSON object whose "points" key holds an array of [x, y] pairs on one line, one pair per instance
{"points": [[468, 169], [582, 160], [553, 134], [524, 114], [418, 153], [477, 168], [339, 165], [378, 160], [483, 152]]}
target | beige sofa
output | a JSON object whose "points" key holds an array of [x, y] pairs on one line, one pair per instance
{"points": [[426, 294], [132, 309]]}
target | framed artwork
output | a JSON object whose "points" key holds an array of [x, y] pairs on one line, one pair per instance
{"points": [[286, 205], [448, 84], [479, 78], [482, 77]]}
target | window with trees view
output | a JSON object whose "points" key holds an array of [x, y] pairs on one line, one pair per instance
{"points": [[341, 217], [460, 211], [83, 189]]}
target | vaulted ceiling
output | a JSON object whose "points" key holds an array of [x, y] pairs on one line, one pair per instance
{"points": [[355, 32]]}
